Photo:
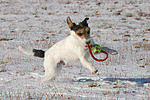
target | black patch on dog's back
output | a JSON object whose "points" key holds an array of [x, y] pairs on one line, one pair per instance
{"points": [[39, 53]]}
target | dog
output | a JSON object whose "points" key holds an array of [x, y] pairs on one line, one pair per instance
{"points": [[71, 49]]}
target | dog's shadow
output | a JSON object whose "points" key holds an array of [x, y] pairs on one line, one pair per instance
{"points": [[139, 81], [110, 51]]}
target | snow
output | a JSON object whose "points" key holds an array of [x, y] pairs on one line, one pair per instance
{"points": [[123, 25]]}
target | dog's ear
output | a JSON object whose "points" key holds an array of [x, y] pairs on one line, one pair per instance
{"points": [[69, 22], [84, 22]]}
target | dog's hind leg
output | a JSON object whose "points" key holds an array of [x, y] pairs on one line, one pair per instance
{"points": [[47, 77], [50, 69]]}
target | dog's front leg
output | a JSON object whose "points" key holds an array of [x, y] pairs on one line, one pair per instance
{"points": [[88, 65]]}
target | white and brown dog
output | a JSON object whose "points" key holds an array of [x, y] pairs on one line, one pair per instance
{"points": [[71, 49]]}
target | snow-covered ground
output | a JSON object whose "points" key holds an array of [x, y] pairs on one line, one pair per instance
{"points": [[123, 25]]}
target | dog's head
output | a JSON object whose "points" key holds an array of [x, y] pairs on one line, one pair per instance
{"points": [[81, 30]]}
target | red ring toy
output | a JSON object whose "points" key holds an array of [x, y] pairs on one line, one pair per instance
{"points": [[89, 47]]}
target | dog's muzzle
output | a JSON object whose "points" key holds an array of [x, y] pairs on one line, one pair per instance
{"points": [[88, 42]]}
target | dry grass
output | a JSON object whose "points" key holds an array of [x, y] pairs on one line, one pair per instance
{"points": [[5, 39], [2, 67], [34, 96]]}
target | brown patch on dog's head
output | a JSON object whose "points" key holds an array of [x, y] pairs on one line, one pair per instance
{"points": [[83, 33], [82, 30]]}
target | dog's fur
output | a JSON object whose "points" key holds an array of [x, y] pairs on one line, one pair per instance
{"points": [[71, 49]]}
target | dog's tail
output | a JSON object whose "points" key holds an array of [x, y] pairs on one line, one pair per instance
{"points": [[34, 52]]}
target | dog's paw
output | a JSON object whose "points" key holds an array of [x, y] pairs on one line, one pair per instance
{"points": [[43, 80], [95, 72]]}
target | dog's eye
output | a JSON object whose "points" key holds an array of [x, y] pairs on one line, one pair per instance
{"points": [[80, 34]]}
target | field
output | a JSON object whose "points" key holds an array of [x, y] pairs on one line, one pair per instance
{"points": [[122, 25]]}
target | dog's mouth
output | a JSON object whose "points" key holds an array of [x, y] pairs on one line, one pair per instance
{"points": [[88, 42]]}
